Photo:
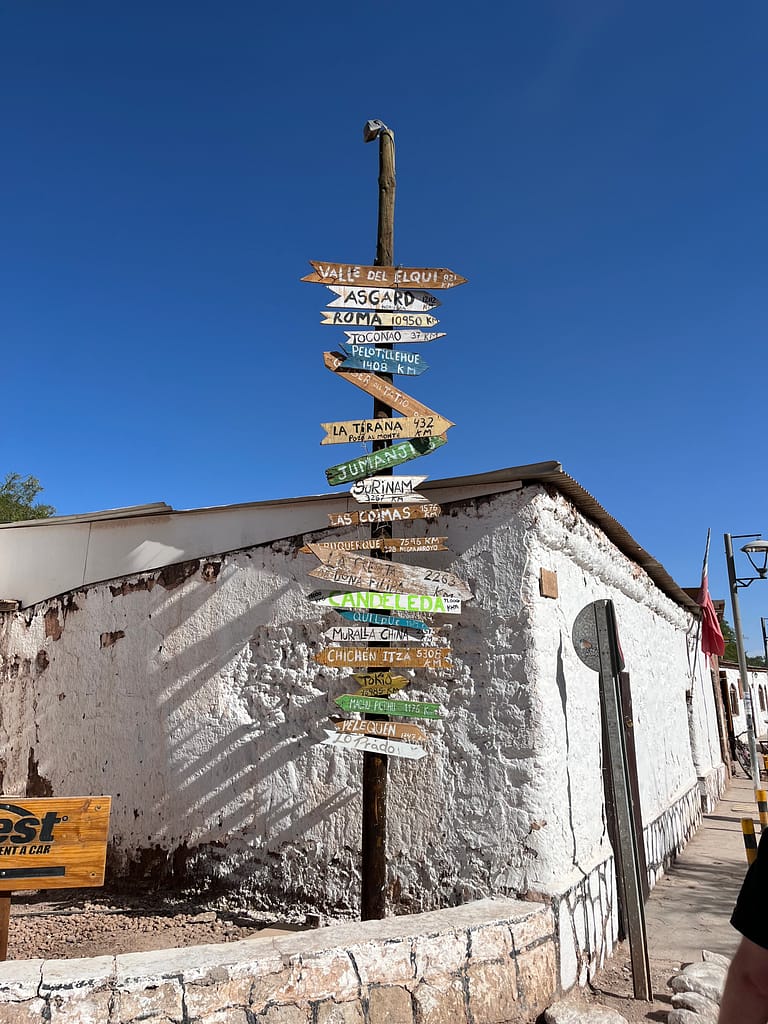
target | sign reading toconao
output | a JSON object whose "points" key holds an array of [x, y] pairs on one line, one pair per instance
{"points": [[394, 337], [396, 730], [373, 318], [385, 657], [382, 360], [393, 748], [388, 706], [393, 277], [391, 428], [370, 600], [383, 489], [367, 465], [52, 842], [389, 514], [382, 298], [377, 574], [386, 544]]}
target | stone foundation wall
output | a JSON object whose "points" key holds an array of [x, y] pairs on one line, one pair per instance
{"points": [[666, 836], [484, 963], [711, 788]]}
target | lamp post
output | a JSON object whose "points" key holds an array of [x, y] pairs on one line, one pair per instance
{"points": [[758, 548]]}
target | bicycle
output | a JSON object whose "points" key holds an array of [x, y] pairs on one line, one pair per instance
{"points": [[742, 754]]}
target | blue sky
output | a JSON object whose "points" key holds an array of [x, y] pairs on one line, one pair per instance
{"points": [[595, 169]]}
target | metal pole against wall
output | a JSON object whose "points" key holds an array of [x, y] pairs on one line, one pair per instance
{"points": [[374, 823], [743, 670]]}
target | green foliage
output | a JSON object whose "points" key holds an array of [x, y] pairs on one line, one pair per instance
{"points": [[17, 499], [731, 651]]}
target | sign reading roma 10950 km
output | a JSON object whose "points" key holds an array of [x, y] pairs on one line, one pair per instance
{"points": [[383, 306]]}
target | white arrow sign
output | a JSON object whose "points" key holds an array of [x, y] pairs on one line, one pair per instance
{"points": [[394, 748], [382, 298], [396, 337], [363, 634], [387, 490]]}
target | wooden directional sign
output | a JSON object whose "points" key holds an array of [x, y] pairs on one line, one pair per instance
{"points": [[377, 387], [375, 619], [392, 277], [385, 657], [385, 489], [361, 633], [53, 842], [373, 318], [378, 574], [387, 706], [379, 684], [396, 455], [393, 337], [396, 730], [368, 600], [382, 360], [382, 298], [388, 514], [391, 428], [386, 544], [393, 748]]}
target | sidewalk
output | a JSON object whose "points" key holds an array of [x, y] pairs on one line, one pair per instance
{"points": [[689, 908]]}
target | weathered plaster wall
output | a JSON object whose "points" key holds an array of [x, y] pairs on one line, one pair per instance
{"points": [[191, 696], [757, 681]]}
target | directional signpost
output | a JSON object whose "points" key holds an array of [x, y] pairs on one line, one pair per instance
{"points": [[386, 544], [370, 600], [361, 633], [375, 619], [387, 489], [375, 683], [365, 465], [396, 337], [389, 706], [392, 428], [382, 298], [388, 514], [376, 318], [377, 387], [385, 657], [382, 360], [394, 277], [381, 575], [393, 748], [397, 730]]}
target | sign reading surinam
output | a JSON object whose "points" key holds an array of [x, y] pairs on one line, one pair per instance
{"points": [[52, 842]]}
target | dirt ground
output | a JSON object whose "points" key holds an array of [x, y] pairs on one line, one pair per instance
{"points": [[97, 924]]}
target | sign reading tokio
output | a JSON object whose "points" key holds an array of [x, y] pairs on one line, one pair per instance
{"points": [[378, 684], [393, 277]]}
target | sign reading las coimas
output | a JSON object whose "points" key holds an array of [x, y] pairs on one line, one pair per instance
{"points": [[53, 843]]}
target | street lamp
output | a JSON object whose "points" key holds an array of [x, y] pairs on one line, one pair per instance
{"points": [[756, 551]]}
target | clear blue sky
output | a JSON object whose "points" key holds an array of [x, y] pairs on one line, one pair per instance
{"points": [[597, 171]]}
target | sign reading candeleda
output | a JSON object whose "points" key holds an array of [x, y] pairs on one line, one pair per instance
{"points": [[52, 842]]}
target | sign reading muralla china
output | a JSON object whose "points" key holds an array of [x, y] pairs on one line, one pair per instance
{"points": [[383, 306]]}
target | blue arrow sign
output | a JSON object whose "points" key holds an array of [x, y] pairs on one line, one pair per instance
{"points": [[383, 360], [375, 619]]}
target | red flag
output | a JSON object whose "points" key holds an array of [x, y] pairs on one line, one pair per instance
{"points": [[712, 641]]}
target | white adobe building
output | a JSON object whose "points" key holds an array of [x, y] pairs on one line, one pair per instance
{"points": [[166, 658]]}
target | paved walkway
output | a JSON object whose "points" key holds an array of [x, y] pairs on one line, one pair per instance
{"points": [[689, 909]]}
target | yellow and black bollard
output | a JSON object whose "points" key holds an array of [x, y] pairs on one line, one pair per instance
{"points": [[761, 795], [750, 843]]}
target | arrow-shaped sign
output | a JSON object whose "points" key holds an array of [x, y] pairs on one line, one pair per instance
{"points": [[396, 455], [424, 604], [382, 298], [378, 574], [391, 428], [373, 318], [385, 657], [383, 360], [378, 684], [393, 748], [387, 706], [392, 277], [386, 544], [385, 620], [388, 514], [392, 337], [363, 727], [385, 489], [361, 633], [377, 387]]}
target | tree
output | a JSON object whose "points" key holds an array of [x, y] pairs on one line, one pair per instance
{"points": [[731, 651], [17, 499]]}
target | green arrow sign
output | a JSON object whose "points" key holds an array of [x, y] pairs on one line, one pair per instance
{"points": [[384, 706], [396, 455]]}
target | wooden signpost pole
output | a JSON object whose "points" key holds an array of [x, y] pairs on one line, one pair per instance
{"points": [[374, 824]]}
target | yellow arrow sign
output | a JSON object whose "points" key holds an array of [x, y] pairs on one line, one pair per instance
{"points": [[375, 318], [388, 429], [378, 387]]}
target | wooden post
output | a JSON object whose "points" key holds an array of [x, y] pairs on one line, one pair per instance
{"points": [[5, 919], [374, 823]]}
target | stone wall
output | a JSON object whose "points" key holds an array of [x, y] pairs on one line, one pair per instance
{"points": [[488, 962]]}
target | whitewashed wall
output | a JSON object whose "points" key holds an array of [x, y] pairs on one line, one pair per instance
{"points": [[757, 681], [191, 696]]}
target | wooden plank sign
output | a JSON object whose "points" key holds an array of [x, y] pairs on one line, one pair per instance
{"points": [[362, 633], [386, 489], [379, 684], [386, 544], [53, 842], [377, 387], [388, 514], [389, 706], [375, 619], [382, 298], [393, 337], [385, 657], [392, 277], [397, 730], [391, 428], [396, 455], [372, 601], [371, 318], [392, 748], [390, 576], [383, 360]]}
